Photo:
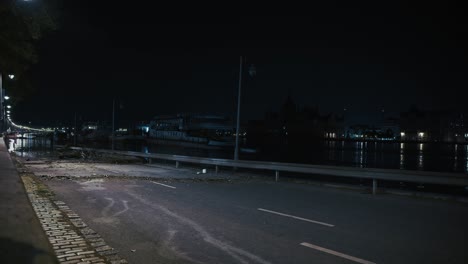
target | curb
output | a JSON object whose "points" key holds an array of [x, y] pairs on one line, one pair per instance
{"points": [[72, 240]]}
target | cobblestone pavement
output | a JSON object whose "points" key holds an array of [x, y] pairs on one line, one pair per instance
{"points": [[72, 240]]}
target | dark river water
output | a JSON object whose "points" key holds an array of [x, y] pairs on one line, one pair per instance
{"points": [[408, 156]]}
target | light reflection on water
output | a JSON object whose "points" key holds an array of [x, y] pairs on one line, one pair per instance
{"points": [[25, 145], [342, 152], [421, 156], [145, 149], [407, 156], [402, 155], [361, 155], [466, 158]]}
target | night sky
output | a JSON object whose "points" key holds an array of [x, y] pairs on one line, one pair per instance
{"points": [[158, 59]]}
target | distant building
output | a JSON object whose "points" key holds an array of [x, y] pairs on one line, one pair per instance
{"points": [[390, 129], [358, 131], [261, 132], [295, 125], [332, 126], [440, 126], [99, 131], [456, 129], [142, 128], [196, 128]]}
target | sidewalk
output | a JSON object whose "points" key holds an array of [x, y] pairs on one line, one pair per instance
{"points": [[22, 239]]}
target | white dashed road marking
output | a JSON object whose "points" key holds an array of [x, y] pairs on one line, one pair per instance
{"points": [[296, 217], [338, 254], [168, 186]]}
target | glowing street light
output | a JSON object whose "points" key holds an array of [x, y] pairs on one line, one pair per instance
{"points": [[11, 76], [8, 106], [8, 111], [6, 97]]}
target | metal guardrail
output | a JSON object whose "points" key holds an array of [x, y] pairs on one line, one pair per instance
{"points": [[442, 178]]}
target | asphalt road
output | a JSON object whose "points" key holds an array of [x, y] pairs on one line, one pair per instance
{"points": [[265, 222]]}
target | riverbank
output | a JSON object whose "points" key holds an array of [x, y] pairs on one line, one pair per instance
{"points": [[78, 164]]}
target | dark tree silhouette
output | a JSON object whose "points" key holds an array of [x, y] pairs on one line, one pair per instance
{"points": [[22, 25]]}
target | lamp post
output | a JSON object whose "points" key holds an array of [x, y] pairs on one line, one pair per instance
{"points": [[6, 116], [3, 98], [2, 114], [113, 122], [252, 72], [74, 132], [236, 150]]}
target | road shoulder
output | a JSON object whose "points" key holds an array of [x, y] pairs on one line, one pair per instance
{"points": [[72, 240]]}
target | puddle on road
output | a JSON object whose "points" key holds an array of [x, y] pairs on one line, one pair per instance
{"points": [[92, 185]]}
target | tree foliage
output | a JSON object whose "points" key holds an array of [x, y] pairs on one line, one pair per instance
{"points": [[22, 25]]}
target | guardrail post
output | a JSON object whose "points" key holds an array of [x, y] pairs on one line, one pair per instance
{"points": [[276, 175], [216, 168], [374, 186], [177, 164]]}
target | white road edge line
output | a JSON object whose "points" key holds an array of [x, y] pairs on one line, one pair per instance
{"points": [[168, 186], [296, 217], [338, 254]]}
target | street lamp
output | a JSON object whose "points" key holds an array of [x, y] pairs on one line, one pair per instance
{"points": [[8, 106], [252, 72], [236, 150], [3, 98], [113, 122]]}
